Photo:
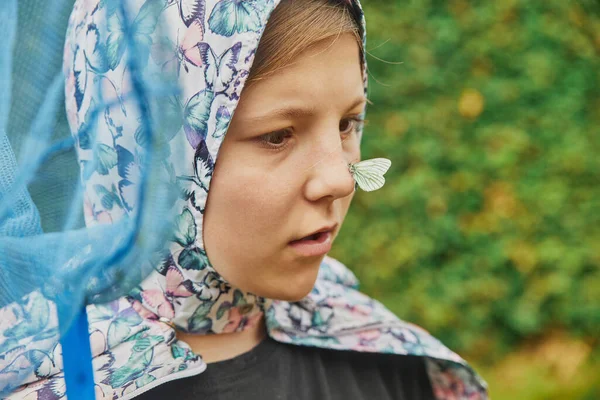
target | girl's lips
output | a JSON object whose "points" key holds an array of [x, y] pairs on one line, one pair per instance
{"points": [[315, 245]]}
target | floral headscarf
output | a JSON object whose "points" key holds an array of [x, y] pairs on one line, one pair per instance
{"points": [[208, 46]]}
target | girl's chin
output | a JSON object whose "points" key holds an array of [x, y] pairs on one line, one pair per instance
{"points": [[291, 287], [287, 283], [290, 295]]}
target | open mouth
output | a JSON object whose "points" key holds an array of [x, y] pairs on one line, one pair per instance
{"points": [[316, 236], [317, 244]]}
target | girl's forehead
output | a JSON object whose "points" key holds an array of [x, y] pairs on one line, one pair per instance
{"points": [[326, 75]]}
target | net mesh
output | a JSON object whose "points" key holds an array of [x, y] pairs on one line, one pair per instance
{"points": [[51, 265]]}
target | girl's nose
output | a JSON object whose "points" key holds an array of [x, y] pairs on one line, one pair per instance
{"points": [[330, 177]]}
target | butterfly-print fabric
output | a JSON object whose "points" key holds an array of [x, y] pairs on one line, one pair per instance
{"points": [[208, 46]]}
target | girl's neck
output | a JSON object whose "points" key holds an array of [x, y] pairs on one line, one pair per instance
{"points": [[224, 346]]}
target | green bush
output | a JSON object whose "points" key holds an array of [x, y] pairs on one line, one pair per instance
{"points": [[487, 232]]}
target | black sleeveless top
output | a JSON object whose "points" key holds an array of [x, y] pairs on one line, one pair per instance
{"points": [[274, 370]]}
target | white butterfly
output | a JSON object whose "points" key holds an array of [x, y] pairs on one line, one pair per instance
{"points": [[368, 174]]}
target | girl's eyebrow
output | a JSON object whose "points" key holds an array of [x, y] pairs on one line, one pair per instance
{"points": [[297, 112], [359, 101]]}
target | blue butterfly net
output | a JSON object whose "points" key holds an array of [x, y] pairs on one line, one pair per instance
{"points": [[51, 265]]}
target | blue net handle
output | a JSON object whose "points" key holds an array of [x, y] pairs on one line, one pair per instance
{"points": [[77, 359]]}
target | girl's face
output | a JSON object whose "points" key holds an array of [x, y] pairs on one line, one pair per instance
{"points": [[282, 172]]}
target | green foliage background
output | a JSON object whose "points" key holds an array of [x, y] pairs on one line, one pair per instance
{"points": [[487, 232]]}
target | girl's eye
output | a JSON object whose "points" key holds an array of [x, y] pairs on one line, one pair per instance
{"points": [[349, 125], [277, 139]]}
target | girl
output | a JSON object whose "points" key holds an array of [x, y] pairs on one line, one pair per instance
{"points": [[246, 304]]}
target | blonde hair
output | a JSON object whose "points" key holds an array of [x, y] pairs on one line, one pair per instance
{"points": [[295, 25]]}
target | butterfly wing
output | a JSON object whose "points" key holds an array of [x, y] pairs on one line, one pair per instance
{"points": [[129, 192], [189, 46], [192, 190], [125, 159], [204, 165], [247, 17], [115, 44], [95, 51], [161, 52], [223, 119], [185, 229], [369, 173], [80, 74], [144, 25], [108, 198], [209, 59], [196, 114], [222, 20], [158, 302], [146, 20], [226, 67], [175, 287], [129, 170], [184, 184], [191, 11], [106, 158]]}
